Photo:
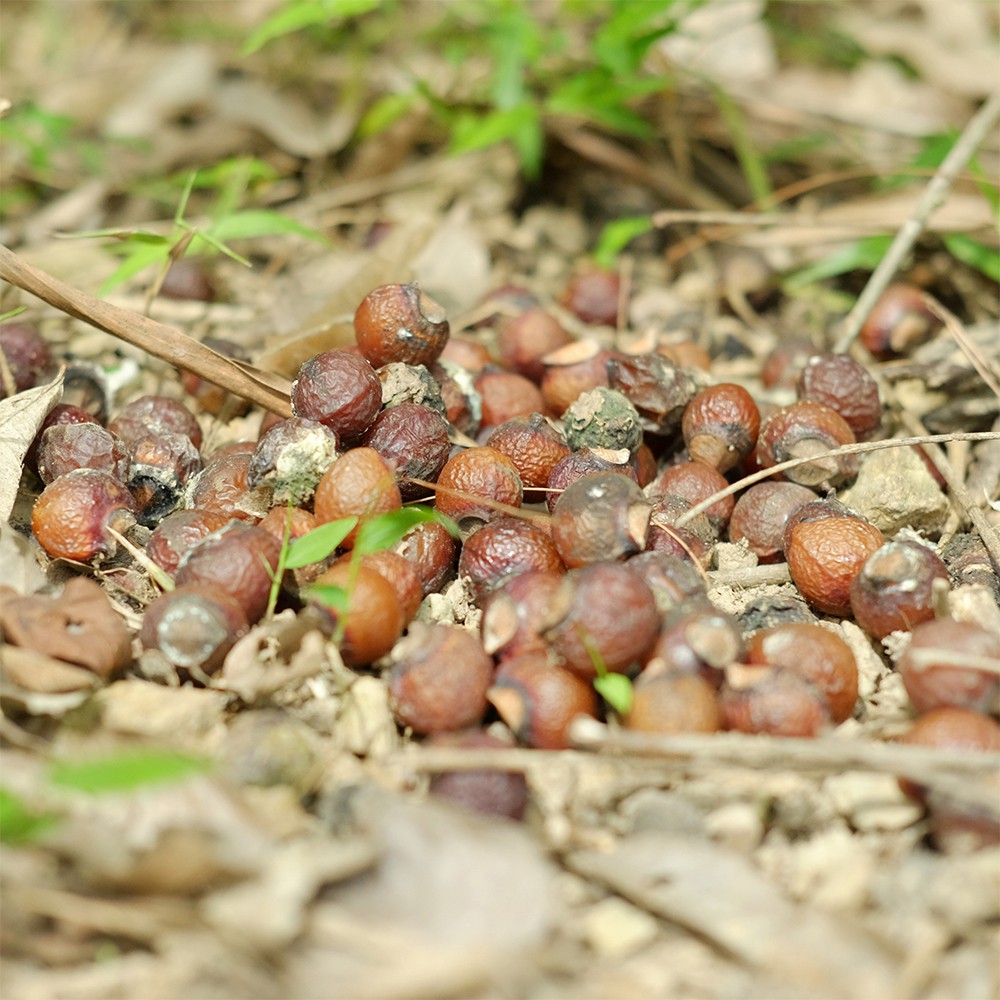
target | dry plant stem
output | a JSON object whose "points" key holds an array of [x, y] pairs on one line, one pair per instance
{"points": [[521, 512], [928, 657], [164, 342], [756, 220], [933, 197], [969, 349], [846, 449], [751, 576], [956, 487]]}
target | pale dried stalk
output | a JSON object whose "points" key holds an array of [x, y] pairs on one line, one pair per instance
{"points": [[254, 384], [969, 349]]}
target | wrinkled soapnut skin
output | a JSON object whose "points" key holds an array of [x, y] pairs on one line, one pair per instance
{"points": [[474, 475], [802, 430], [579, 463], [658, 389], [843, 384], [358, 484], [339, 389], [720, 425], [400, 323], [533, 444], [506, 395], [26, 356], [506, 548], [413, 440], [152, 414], [664, 702]]}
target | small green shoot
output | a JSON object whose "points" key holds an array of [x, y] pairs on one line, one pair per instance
{"points": [[617, 235], [385, 531], [614, 688], [20, 824], [126, 771], [11, 313]]}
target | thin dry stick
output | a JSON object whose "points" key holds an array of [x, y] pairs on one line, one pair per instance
{"points": [[264, 388], [758, 220], [956, 487], [845, 449], [932, 198], [969, 349]]}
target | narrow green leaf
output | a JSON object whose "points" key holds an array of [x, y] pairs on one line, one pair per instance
{"points": [[984, 259], [384, 112], [336, 598], [752, 162], [252, 223], [384, 531], [617, 235], [301, 14], [862, 255], [137, 260], [11, 313], [316, 545], [18, 823], [616, 690], [127, 771]]}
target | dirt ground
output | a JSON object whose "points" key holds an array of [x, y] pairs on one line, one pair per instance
{"points": [[307, 859]]}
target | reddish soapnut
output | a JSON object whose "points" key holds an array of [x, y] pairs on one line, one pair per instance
{"points": [[490, 792], [400, 323], [239, 560], [895, 588], [470, 354], [818, 655], [400, 574], [178, 533], [533, 444], [657, 388], [899, 321], [506, 548], [162, 465], [935, 670], [68, 446], [720, 425], [956, 825], [539, 700], [476, 475], [697, 640], [824, 557], [374, 619], [601, 611], [843, 384], [806, 430], [667, 702], [644, 465], [523, 340], [413, 441], [772, 700], [290, 522], [695, 482], [694, 540], [506, 300], [188, 279], [358, 484], [673, 579], [784, 364], [432, 550], [72, 515], [760, 516], [463, 407], [600, 516], [592, 295], [61, 413], [571, 370], [154, 415], [193, 626], [686, 354], [513, 614], [290, 457], [506, 395], [25, 358], [581, 463], [222, 486], [439, 679], [339, 389]]}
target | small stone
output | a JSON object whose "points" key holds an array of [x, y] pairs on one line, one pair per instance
{"points": [[738, 825], [615, 929], [871, 802]]}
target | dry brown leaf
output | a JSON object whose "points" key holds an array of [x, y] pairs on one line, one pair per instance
{"points": [[20, 418]]}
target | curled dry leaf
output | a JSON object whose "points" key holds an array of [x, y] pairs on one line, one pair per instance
{"points": [[79, 626]]}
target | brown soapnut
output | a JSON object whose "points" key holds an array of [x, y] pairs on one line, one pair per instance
{"points": [[400, 323], [154, 414], [697, 639], [72, 515], [339, 389], [538, 700], [658, 389], [695, 482], [824, 556], [592, 295], [533, 444], [673, 580], [938, 666], [668, 702], [506, 548], [223, 486], [603, 612], [25, 358], [193, 626], [471, 479], [358, 484], [400, 574], [439, 679], [505, 395], [720, 425], [523, 340], [67, 446], [374, 619], [899, 321], [895, 589], [413, 441], [431, 549], [290, 457], [760, 516], [807, 430], [816, 653], [599, 516], [845, 385], [240, 561], [579, 463], [513, 613], [571, 370], [179, 532], [776, 701]]}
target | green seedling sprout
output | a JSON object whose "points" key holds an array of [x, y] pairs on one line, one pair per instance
{"points": [[614, 688]]}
